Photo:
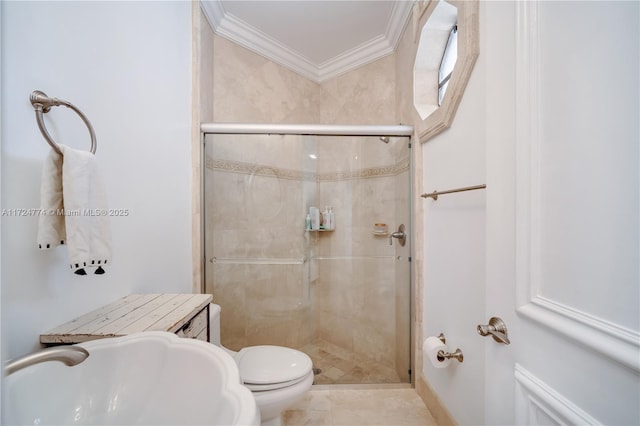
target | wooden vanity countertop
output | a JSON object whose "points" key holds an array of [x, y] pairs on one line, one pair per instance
{"points": [[130, 314]]}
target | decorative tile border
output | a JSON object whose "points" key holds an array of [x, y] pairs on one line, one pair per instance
{"points": [[264, 170], [257, 169]]}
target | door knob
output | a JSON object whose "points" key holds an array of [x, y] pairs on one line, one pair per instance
{"points": [[497, 329]]}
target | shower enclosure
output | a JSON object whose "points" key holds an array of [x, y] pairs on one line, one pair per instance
{"points": [[341, 295]]}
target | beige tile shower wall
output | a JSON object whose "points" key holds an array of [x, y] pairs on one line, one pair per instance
{"points": [[255, 216], [348, 154], [256, 197], [287, 155], [366, 95], [358, 204], [249, 88], [264, 304], [354, 310], [356, 288]]}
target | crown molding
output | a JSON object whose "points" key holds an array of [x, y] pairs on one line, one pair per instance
{"points": [[228, 26]]}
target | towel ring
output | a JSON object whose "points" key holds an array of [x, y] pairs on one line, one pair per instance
{"points": [[43, 103]]}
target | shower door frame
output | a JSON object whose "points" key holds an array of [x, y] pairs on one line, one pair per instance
{"points": [[318, 130]]}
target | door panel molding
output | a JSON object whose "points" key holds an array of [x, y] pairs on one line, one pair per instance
{"points": [[612, 340], [538, 403], [615, 342]]}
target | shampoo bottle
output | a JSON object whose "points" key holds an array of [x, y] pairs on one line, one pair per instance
{"points": [[314, 212]]}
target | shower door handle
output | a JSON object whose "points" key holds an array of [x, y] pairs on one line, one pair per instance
{"points": [[400, 235]]}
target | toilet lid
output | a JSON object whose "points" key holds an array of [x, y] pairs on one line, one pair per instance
{"points": [[266, 364]]}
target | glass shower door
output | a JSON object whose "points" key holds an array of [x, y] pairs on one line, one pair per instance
{"points": [[341, 295]]}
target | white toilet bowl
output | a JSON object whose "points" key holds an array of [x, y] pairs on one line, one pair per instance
{"points": [[277, 376]]}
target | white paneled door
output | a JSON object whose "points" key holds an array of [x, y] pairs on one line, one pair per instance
{"points": [[563, 212]]}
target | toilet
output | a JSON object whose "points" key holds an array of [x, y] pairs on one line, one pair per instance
{"points": [[278, 377]]}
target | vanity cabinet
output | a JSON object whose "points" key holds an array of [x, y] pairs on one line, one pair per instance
{"points": [[197, 327], [186, 315]]}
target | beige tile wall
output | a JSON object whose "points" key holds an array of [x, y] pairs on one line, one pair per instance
{"points": [[249, 88]]}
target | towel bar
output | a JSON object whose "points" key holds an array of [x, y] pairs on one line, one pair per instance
{"points": [[43, 103], [435, 194]]}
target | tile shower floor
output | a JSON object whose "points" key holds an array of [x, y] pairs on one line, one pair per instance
{"points": [[341, 366], [360, 407]]}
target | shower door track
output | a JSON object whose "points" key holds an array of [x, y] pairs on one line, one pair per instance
{"points": [[307, 129]]}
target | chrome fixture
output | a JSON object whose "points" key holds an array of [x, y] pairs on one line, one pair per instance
{"points": [[497, 329], [42, 104], [305, 129], [442, 355], [69, 355], [435, 194], [400, 235]]}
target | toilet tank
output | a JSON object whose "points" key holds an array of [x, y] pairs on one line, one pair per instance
{"points": [[214, 323]]}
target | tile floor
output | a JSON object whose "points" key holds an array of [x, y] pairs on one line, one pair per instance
{"points": [[341, 366], [359, 407]]}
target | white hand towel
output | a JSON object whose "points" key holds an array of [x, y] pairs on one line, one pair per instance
{"points": [[51, 230], [73, 191]]}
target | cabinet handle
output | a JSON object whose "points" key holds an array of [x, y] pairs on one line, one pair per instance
{"points": [[186, 326]]}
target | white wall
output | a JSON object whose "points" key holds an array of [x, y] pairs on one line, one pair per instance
{"points": [[127, 66], [454, 226], [497, 20]]}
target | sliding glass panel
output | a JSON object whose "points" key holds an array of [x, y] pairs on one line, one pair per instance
{"points": [[339, 293]]}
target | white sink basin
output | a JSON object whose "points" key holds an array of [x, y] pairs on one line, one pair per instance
{"points": [[150, 378]]}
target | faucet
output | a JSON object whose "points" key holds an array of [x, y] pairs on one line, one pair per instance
{"points": [[400, 235], [396, 234], [69, 355]]}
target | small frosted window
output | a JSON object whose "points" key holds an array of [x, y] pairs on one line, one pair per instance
{"points": [[448, 62], [436, 58]]}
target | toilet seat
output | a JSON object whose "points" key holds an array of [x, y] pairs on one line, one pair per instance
{"points": [[273, 386], [268, 367]]}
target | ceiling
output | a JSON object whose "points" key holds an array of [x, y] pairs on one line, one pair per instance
{"points": [[318, 39]]}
